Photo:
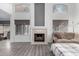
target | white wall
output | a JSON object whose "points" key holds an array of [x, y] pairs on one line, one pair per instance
{"points": [[72, 14], [19, 16], [49, 17], [48, 20], [76, 18], [22, 15]]}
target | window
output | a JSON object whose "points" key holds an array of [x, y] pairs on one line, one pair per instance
{"points": [[1, 28], [20, 29]]}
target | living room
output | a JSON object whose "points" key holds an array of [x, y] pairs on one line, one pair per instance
{"points": [[35, 27]]}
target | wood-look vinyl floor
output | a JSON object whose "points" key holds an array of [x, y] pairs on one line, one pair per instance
{"points": [[23, 49]]}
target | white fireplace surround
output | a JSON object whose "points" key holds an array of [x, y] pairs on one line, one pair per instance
{"points": [[39, 31]]}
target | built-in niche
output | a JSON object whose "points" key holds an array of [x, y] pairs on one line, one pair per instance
{"points": [[60, 25], [39, 14]]}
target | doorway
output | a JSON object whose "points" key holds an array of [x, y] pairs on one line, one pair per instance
{"points": [[4, 30]]}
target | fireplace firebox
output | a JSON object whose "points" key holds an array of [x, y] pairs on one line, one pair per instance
{"points": [[39, 37]]}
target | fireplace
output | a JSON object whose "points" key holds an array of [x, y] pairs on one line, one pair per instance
{"points": [[39, 37]]}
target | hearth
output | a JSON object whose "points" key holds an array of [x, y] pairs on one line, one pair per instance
{"points": [[39, 37]]}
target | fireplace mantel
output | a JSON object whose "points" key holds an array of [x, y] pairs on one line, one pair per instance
{"points": [[39, 31]]}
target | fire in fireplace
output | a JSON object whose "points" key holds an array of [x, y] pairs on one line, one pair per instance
{"points": [[39, 37]]}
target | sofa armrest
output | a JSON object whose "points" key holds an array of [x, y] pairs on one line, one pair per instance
{"points": [[55, 39]]}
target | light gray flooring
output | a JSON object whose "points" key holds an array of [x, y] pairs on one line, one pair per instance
{"points": [[22, 49]]}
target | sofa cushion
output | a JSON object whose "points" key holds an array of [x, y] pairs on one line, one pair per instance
{"points": [[62, 35], [69, 35], [76, 36], [57, 35], [67, 41], [62, 41]]}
